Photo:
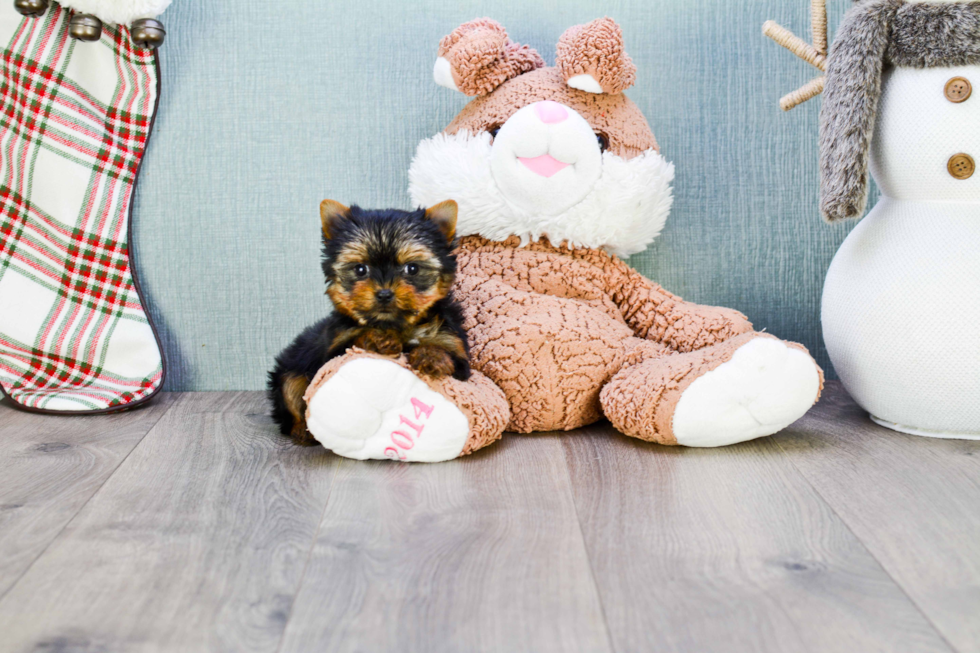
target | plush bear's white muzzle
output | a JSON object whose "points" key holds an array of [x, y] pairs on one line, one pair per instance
{"points": [[546, 158]]}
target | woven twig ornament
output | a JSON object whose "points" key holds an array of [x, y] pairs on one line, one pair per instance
{"points": [[814, 54]]}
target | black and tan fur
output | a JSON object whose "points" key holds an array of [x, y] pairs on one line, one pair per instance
{"points": [[389, 275]]}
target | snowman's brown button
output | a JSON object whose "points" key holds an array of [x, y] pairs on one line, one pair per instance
{"points": [[961, 166], [958, 89]]}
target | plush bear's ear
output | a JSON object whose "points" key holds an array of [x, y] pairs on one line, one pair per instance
{"points": [[478, 57], [444, 215], [331, 213], [591, 58]]}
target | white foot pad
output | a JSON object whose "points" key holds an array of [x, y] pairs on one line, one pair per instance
{"points": [[374, 409], [765, 387]]}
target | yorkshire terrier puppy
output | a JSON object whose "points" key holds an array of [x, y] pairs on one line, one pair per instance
{"points": [[389, 275]]}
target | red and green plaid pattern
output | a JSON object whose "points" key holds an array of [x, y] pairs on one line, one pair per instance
{"points": [[74, 124]]}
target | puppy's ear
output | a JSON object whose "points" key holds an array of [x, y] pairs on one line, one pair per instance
{"points": [[331, 213], [444, 215]]}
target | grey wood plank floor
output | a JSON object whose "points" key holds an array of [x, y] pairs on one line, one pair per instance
{"points": [[190, 526], [914, 502], [49, 469], [197, 543], [729, 550], [484, 554]]}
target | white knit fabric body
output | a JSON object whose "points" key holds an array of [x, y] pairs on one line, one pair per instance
{"points": [[901, 304]]}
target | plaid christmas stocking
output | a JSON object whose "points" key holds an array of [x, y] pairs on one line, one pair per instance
{"points": [[74, 125]]}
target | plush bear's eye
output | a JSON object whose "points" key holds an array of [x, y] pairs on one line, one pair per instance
{"points": [[603, 142], [360, 270], [412, 269]]}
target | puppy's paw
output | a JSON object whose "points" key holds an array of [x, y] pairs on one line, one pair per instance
{"points": [[386, 343], [431, 361], [301, 435]]}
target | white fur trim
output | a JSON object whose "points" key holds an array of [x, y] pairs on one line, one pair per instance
{"points": [[118, 12], [624, 212], [442, 72], [765, 387], [585, 83]]}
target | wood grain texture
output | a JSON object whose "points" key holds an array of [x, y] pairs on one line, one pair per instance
{"points": [[913, 501], [479, 554], [196, 543], [216, 534], [728, 550], [50, 467]]}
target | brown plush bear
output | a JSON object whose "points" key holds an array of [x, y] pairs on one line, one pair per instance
{"points": [[557, 174]]}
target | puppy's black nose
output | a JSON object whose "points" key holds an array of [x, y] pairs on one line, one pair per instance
{"points": [[384, 295]]}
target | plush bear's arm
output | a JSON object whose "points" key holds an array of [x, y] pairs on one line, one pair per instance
{"points": [[655, 314]]}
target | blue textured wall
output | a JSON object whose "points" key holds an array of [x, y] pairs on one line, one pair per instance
{"points": [[270, 106]]}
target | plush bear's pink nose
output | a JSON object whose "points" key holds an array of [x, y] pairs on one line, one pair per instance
{"points": [[550, 112]]}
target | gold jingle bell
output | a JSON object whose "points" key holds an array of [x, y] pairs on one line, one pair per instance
{"points": [[85, 27], [148, 33], [31, 8]]}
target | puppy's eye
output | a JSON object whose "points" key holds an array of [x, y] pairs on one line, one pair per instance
{"points": [[603, 142], [360, 270], [412, 269], [493, 131]]}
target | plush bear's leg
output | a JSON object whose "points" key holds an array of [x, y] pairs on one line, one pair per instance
{"points": [[366, 406], [747, 387]]}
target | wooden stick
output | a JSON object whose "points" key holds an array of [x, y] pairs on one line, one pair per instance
{"points": [[794, 44], [818, 22], [815, 55], [808, 91]]}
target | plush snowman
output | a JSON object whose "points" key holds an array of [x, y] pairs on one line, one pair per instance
{"points": [[901, 302], [86, 23]]}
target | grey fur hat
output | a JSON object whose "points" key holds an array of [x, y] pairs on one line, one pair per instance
{"points": [[874, 34]]}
